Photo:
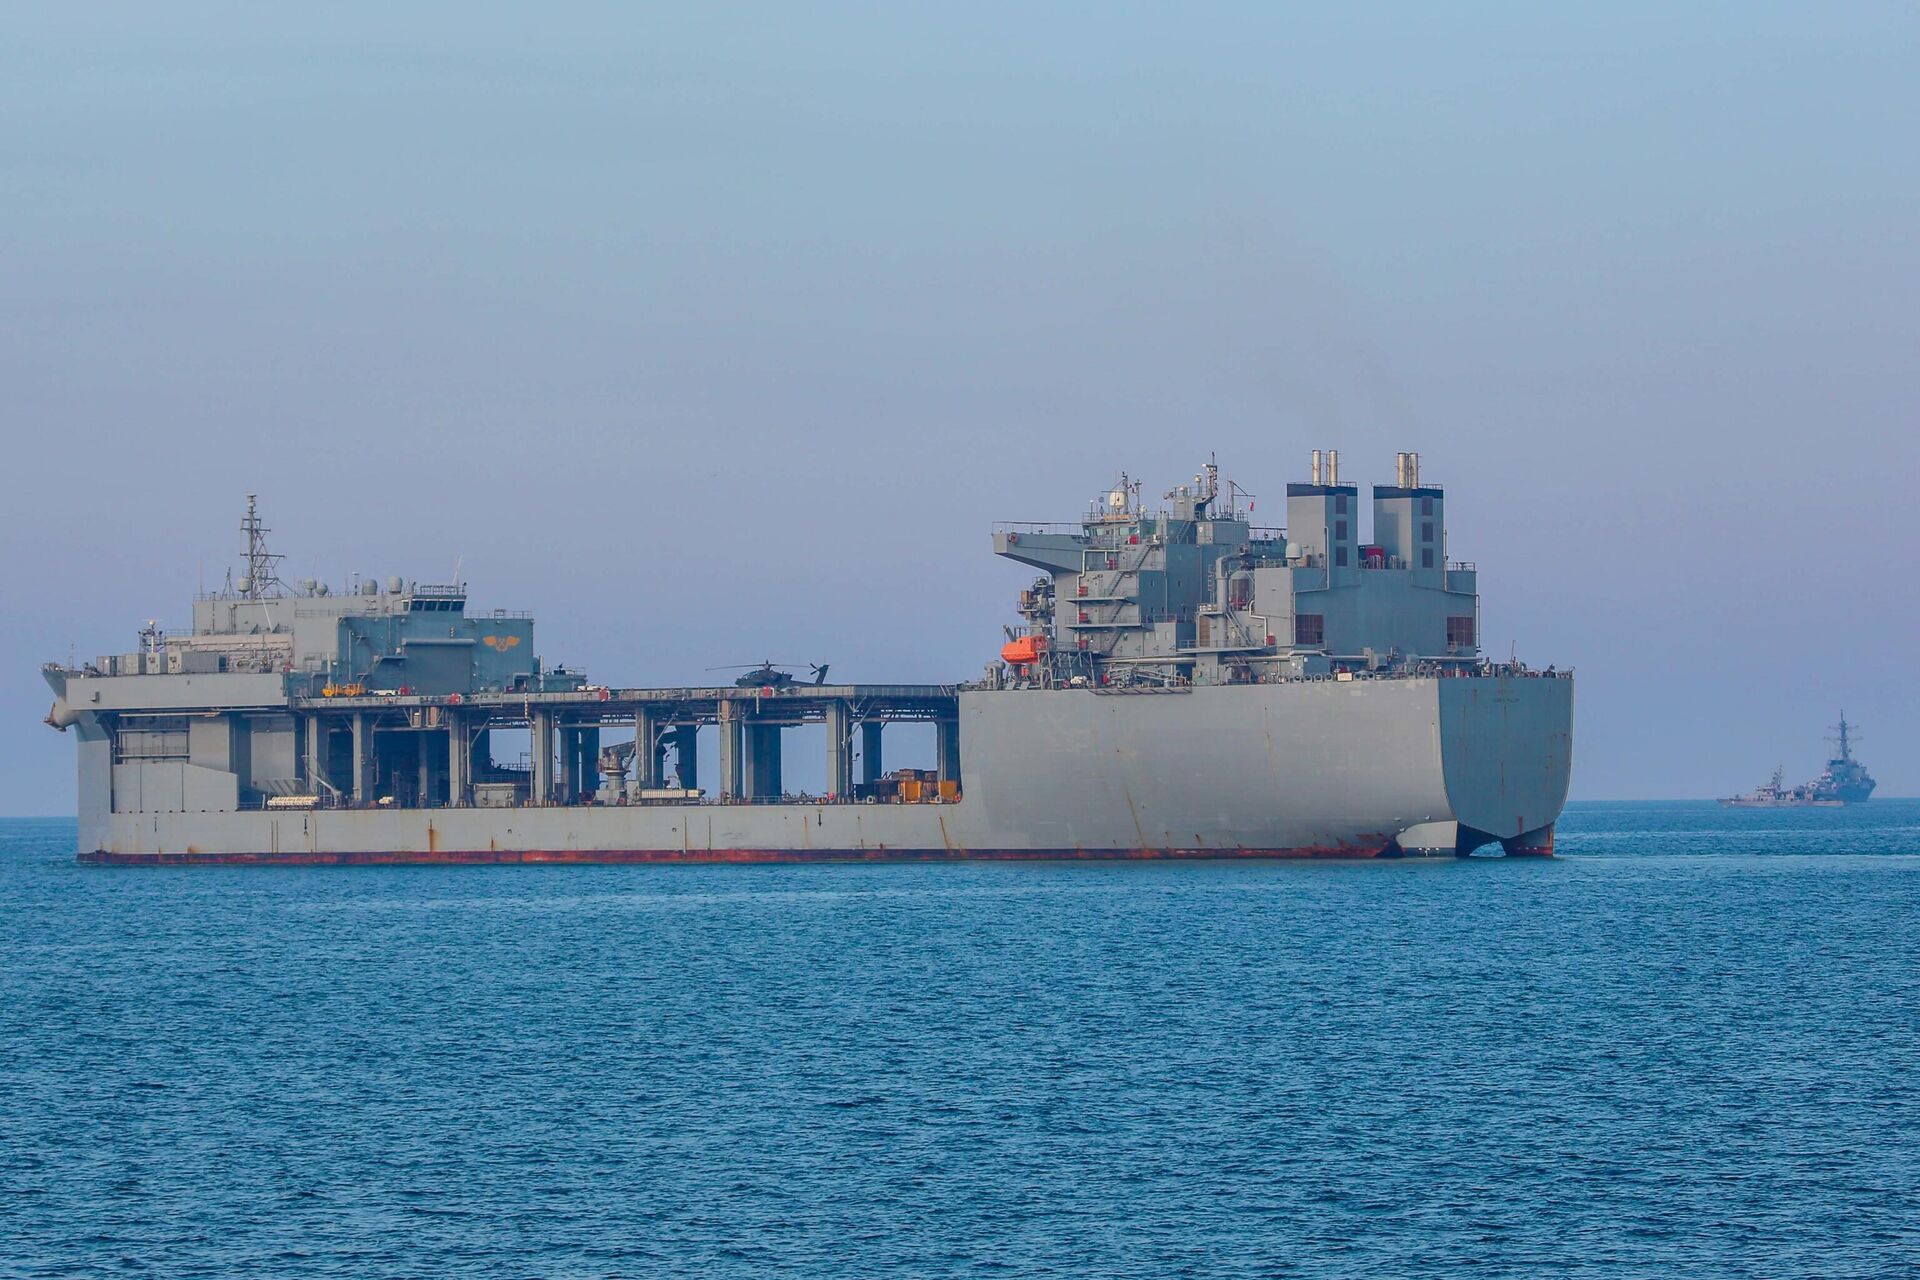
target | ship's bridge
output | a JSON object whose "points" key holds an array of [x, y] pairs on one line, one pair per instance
{"points": [[422, 598]]}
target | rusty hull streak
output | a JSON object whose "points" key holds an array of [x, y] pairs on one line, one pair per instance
{"points": [[1544, 849]]}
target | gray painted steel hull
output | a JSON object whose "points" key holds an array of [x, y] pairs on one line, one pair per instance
{"points": [[1303, 768]]}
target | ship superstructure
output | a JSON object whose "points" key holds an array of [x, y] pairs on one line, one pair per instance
{"points": [[1184, 683], [1199, 594]]}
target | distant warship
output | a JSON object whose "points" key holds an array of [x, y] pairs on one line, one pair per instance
{"points": [[1844, 781]]}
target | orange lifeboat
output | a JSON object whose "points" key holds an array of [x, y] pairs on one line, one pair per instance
{"points": [[1023, 651]]}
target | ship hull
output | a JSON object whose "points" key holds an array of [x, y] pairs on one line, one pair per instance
{"points": [[617, 857], [1305, 769]]}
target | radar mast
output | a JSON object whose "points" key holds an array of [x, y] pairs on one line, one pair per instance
{"points": [[262, 580], [1843, 738]]}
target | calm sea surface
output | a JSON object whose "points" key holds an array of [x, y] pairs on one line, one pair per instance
{"points": [[1689, 1045]]}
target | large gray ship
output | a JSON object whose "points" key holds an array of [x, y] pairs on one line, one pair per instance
{"points": [[1183, 683]]}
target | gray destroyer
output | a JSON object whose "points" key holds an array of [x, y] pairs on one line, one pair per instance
{"points": [[1844, 781], [1182, 683]]}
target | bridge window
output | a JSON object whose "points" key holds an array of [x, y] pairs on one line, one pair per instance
{"points": [[1426, 557], [1460, 633], [1339, 504], [1339, 530], [1426, 532], [1426, 506], [1311, 628], [1340, 555]]}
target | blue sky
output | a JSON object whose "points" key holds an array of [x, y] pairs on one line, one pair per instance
{"points": [[724, 330]]}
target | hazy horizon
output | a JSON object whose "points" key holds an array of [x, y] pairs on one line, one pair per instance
{"points": [[723, 333]]}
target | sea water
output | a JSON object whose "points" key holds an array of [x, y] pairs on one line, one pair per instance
{"points": [[1688, 1044]]}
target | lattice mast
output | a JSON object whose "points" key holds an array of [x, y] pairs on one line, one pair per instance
{"points": [[262, 579]]}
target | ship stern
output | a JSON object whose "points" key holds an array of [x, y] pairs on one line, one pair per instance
{"points": [[1507, 758]]}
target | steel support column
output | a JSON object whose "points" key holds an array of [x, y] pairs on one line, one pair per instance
{"points": [[752, 784], [364, 780], [646, 748], [540, 754], [732, 762], [459, 759], [872, 767], [569, 764], [839, 748]]}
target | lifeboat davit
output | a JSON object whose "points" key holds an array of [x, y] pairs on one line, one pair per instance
{"points": [[1025, 650]]}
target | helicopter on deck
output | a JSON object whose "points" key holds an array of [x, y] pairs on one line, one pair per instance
{"points": [[766, 675]]}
